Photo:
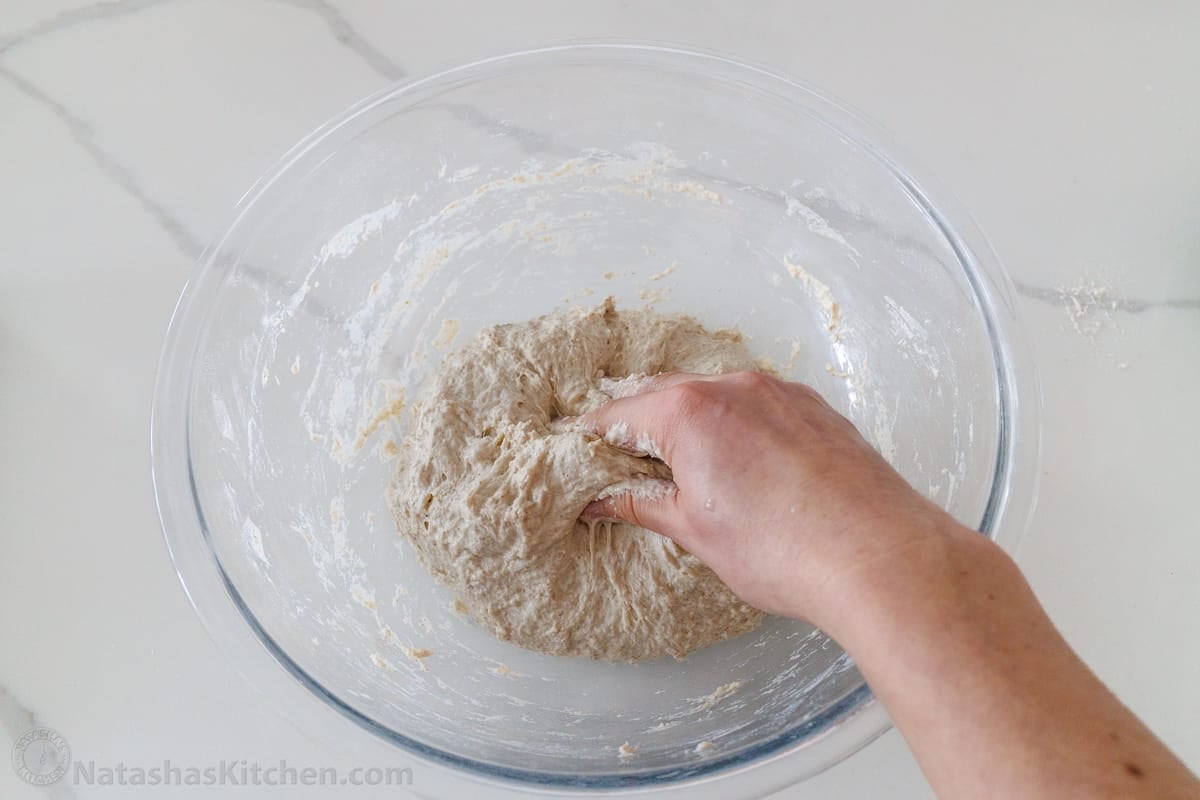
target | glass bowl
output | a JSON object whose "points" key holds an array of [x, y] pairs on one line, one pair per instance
{"points": [[499, 191]]}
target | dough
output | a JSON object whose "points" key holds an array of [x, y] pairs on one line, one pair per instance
{"points": [[489, 492]]}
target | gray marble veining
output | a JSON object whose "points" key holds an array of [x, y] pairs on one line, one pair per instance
{"points": [[347, 35], [1063, 297], [74, 17], [17, 720], [191, 245], [338, 25], [1117, 382], [187, 242], [82, 131]]}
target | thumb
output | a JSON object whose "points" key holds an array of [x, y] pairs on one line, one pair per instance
{"points": [[650, 503]]}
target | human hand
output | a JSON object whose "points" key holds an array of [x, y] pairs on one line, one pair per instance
{"points": [[773, 489], [789, 505]]}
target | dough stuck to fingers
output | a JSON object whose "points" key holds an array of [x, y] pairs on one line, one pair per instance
{"points": [[490, 485]]}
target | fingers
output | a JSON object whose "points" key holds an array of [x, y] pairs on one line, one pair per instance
{"points": [[646, 502], [638, 419], [637, 424], [641, 419], [634, 385]]}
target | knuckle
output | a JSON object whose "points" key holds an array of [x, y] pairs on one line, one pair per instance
{"points": [[805, 398], [753, 380], [691, 397], [804, 390]]}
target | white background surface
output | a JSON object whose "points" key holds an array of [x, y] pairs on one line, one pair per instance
{"points": [[128, 129]]}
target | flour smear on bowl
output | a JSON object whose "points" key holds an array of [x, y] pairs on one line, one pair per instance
{"points": [[357, 397]]}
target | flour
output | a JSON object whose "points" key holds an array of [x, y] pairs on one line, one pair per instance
{"points": [[641, 487], [719, 694], [651, 296], [816, 223], [489, 491], [418, 654], [620, 435], [658, 276], [1089, 306], [446, 333], [820, 292], [625, 387]]}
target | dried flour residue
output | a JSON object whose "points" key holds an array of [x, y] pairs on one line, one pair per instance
{"points": [[820, 292], [720, 693], [1089, 306]]}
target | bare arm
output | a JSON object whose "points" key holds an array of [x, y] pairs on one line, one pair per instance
{"points": [[793, 509]]}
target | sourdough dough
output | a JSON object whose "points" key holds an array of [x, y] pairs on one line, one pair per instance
{"points": [[489, 491]]}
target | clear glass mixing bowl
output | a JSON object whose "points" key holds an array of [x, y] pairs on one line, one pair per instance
{"points": [[496, 192]]}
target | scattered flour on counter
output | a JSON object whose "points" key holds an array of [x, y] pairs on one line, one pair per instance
{"points": [[1089, 306]]}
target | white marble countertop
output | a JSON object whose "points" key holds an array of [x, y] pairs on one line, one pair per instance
{"points": [[129, 128]]}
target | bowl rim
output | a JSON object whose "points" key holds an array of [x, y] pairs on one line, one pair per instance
{"points": [[802, 751]]}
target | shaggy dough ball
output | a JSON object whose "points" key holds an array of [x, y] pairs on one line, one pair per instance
{"points": [[490, 496]]}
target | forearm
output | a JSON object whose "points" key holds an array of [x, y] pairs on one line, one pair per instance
{"points": [[991, 699], [799, 515]]}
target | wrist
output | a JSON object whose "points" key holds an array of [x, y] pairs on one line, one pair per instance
{"points": [[905, 578]]}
